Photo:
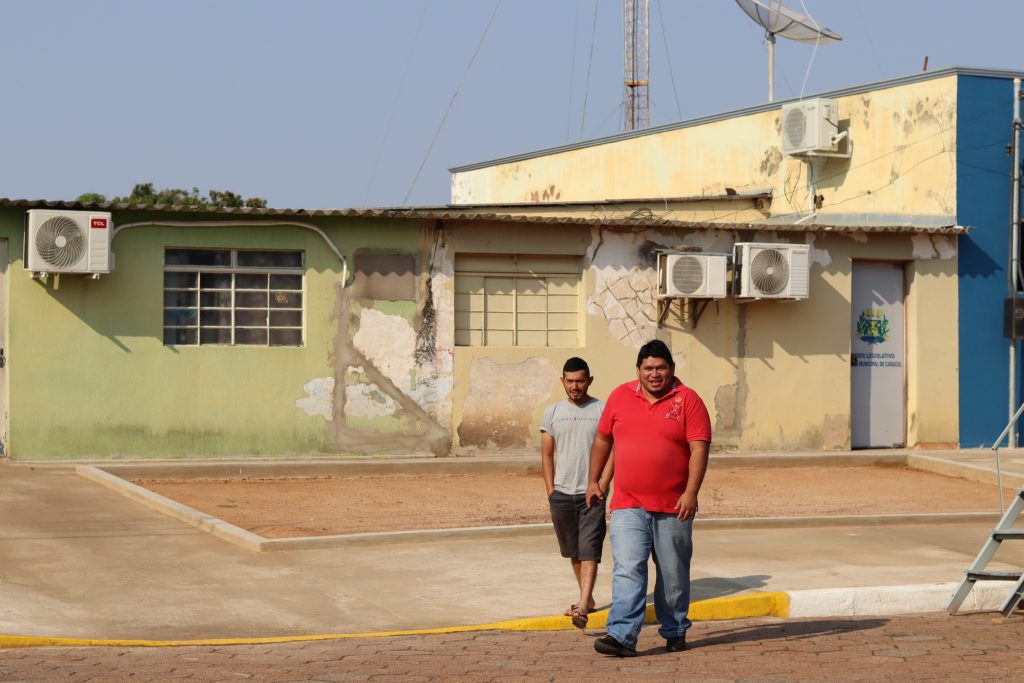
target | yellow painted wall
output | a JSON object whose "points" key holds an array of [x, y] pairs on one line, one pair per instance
{"points": [[775, 375], [902, 162]]}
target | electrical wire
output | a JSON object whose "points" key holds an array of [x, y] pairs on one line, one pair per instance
{"points": [[817, 39], [668, 58], [394, 105], [590, 61], [451, 104], [619, 109], [572, 73], [871, 41]]}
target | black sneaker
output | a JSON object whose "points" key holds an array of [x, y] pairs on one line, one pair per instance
{"points": [[607, 645], [676, 644]]}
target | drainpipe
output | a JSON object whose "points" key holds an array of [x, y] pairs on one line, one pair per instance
{"points": [[245, 224], [812, 190], [1014, 252]]}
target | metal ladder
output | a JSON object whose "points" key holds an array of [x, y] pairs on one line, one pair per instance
{"points": [[1004, 531]]}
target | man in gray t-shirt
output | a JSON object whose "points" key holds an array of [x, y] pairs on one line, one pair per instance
{"points": [[567, 430]]}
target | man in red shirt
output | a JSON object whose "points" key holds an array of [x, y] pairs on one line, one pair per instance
{"points": [[661, 433]]}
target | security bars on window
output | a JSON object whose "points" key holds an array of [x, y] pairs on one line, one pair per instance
{"points": [[233, 297]]}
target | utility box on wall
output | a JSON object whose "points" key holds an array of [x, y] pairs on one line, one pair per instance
{"points": [[1013, 318]]}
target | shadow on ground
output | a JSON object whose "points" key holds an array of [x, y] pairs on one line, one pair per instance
{"points": [[786, 630], [720, 586]]}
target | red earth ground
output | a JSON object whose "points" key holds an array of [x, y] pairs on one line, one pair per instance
{"points": [[283, 507]]}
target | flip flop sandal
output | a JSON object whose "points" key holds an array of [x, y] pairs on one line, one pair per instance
{"points": [[579, 620]]}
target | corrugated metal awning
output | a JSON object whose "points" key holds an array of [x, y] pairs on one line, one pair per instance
{"points": [[892, 224]]}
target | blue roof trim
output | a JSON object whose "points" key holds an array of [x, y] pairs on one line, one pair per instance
{"points": [[756, 109]]}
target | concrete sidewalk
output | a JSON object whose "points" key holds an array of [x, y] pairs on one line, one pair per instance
{"points": [[80, 561]]}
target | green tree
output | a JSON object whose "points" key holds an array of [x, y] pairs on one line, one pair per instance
{"points": [[92, 198], [146, 193]]}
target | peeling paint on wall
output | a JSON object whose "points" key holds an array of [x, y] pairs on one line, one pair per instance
{"points": [[319, 399], [435, 352], [725, 408], [546, 194], [836, 433], [927, 247], [711, 241], [367, 400], [499, 407], [771, 161], [424, 432], [818, 256], [389, 343], [388, 366], [625, 283]]}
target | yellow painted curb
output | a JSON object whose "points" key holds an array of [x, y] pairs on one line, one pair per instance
{"points": [[715, 609]]}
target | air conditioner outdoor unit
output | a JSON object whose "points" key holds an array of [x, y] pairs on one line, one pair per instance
{"points": [[772, 271], [693, 275], [68, 242], [811, 127]]}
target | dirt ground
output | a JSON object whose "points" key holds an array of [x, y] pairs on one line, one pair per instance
{"points": [[282, 508]]}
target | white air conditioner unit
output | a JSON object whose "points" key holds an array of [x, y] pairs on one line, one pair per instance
{"points": [[68, 242], [772, 271], [693, 275], [811, 127]]}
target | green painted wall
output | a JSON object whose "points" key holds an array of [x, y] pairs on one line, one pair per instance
{"points": [[89, 376]]}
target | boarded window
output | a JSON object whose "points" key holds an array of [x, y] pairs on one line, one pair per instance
{"points": [[233, 297], [516, 300]]}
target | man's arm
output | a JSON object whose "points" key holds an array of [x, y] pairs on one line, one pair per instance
{"points": [[609, 471], [687, 504], [547, 460], [600, 451]]}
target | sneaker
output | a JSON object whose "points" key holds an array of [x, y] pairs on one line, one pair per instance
{"points": [[607, 645], [676, 644]]}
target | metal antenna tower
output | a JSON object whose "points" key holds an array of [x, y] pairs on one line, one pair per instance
{"points": [[638, 65]]}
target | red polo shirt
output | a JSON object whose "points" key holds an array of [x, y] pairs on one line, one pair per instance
{"points": [[651, 440]]}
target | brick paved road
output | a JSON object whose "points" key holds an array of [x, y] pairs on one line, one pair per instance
{"points": [[913, 648]]}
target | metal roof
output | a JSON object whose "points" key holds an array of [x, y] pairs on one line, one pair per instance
{"points": [[756, 109], [650, 219]]}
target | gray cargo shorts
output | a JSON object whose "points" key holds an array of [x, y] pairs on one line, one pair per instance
{"points": [[580, 530]]}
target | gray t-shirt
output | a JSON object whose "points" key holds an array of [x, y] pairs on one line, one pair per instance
{"points": [[573, 428]]}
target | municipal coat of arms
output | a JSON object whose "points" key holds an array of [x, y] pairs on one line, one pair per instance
{"points": [[873, 326]]}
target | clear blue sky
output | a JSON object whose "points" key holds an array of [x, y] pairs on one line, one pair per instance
{"points": [[332, 103]]}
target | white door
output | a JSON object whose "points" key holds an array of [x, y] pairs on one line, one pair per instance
{"points": [[877, 357]]}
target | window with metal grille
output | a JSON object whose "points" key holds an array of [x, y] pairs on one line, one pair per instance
{"points": [[506, 300], [233, 297]]}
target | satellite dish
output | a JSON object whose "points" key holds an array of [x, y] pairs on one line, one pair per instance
{"points": [[779, 20]]}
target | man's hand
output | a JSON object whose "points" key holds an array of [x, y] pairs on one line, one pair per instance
{"points": [[687, 506], [600, 451]]}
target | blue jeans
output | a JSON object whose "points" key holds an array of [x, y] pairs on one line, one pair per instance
{"points": [[636, 535]]}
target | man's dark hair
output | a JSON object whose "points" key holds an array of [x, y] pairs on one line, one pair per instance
{"points": [[575, 364], [655, 349]]}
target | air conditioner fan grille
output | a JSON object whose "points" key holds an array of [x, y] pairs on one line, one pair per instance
{"points": [[796, 127], [60, 242], [688, 274], [769, 271]]}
